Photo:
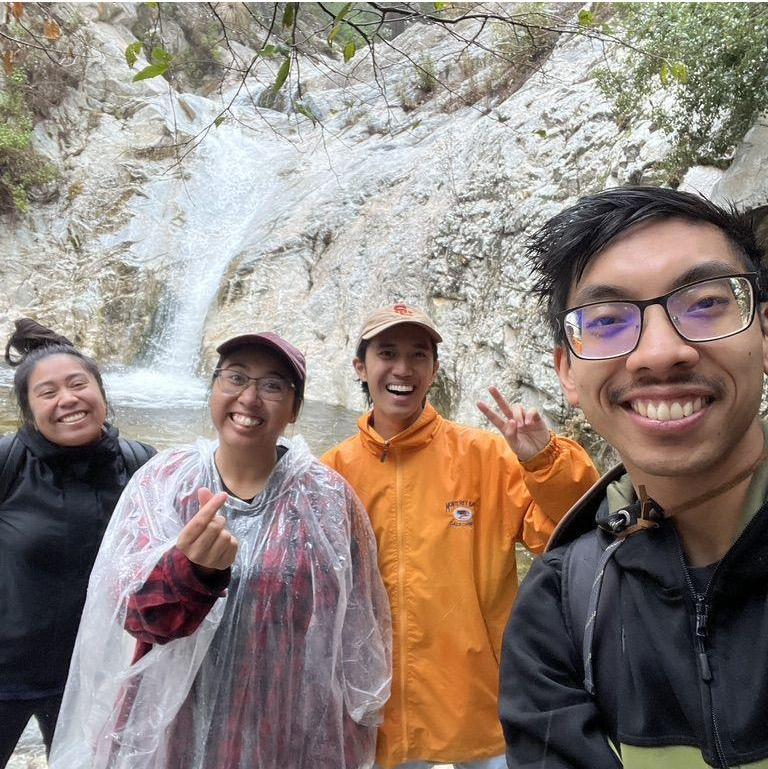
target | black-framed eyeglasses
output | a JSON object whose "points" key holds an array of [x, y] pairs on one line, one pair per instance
{"points": [[270, 388], [709, 309]]}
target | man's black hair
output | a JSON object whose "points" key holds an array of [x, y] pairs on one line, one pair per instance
{"points": [[561, 249], [360, 354]]}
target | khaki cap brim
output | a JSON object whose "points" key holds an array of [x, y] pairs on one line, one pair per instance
{"points": [[376, 330]]}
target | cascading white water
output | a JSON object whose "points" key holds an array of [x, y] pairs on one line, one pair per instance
{"points": [[221, 200], [232, 196], [220, 204]]}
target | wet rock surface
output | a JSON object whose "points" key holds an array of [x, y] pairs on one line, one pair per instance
{"points": [[30, 752], [275, 223]]}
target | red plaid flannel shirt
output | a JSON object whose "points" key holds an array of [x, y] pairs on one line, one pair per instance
{"points": [[172, 602]]}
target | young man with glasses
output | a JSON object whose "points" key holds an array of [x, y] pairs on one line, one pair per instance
{"points": [[639, 639]]}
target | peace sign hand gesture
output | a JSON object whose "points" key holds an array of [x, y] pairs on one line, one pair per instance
{"points": [[524, 429]]}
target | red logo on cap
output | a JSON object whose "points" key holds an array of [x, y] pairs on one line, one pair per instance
{"points": [[401, 309]]}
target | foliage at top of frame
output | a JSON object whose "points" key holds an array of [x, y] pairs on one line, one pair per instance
{"points": [[38, 64], [703, 74]]}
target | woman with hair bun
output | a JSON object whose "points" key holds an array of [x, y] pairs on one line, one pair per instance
{"points": [[61, 475]]}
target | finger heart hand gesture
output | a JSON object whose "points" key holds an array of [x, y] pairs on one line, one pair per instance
{"points": [[205, 539]]}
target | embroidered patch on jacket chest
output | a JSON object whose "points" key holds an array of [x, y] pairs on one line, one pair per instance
{"points": [[462, 512]]}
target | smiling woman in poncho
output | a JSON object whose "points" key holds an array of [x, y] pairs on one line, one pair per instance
{"points": [[235, 616]]}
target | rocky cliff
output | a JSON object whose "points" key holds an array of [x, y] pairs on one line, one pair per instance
{"points": [[403, 191]]}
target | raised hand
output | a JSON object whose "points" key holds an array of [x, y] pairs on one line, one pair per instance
{"points": [[205, 539], [524, 429]]}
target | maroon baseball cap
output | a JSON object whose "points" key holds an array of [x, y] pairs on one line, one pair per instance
{"points": [[272, 341]]}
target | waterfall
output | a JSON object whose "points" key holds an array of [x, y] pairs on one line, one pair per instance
{"points": [[221, 203], [221, 200], [232, 196]]}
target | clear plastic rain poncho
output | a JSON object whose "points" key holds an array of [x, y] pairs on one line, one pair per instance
{"points": [[288, 669]]}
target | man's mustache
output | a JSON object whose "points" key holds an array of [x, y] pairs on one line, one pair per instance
{"points": [[715, 387]]}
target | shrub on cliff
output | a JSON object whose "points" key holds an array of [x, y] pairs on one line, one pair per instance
{"points": [[43, 51], [702, 71], [22, 169]]}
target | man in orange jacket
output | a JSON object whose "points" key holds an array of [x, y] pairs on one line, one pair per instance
{"points": [[448, 504]]}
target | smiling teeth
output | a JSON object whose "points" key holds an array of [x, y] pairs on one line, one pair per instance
{"points": [[397, 388], [662, 411], [77, 416], [244, 421]]}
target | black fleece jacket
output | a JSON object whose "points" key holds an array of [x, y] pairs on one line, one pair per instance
{"points": [[51, 525], [662, 692]]}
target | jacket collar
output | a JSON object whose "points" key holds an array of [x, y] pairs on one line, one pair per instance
{"points": [[42, 448], [616, 485], [415, 437], [581, 517], [657, 552]]}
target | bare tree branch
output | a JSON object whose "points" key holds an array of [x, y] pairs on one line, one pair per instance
{"points": [[370, 25]]}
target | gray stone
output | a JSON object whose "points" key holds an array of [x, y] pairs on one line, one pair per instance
{"points": [[744, 183], [401, 194]]}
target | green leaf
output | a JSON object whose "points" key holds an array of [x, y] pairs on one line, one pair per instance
{"points": [[161, 57], [664, 74], [132, 53], [219, 120], [679, 72], [586, 18], [343, 11], [350, 49], [306, 110], [541, 133], [282, 75], [153, 70], [153, 6], [439, 6], [289, 15], [268, 51], [338, 22]]}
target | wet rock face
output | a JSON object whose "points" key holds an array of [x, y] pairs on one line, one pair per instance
{"points": [[274, 224]]}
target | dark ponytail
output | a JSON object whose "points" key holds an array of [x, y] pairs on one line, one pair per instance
{"points": [[27, 346]]}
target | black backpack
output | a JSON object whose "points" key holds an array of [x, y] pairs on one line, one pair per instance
{"points": [[584, 561], [13, 456], [589, 580]]}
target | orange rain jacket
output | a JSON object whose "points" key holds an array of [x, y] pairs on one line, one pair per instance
{"points": [[447, 504]]}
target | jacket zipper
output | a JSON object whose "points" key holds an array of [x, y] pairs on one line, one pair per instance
{"points": [[701, 602], [401, 594], [385, 453]]}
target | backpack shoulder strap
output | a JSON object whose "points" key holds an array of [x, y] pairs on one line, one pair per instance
{"points": [[579, 570], [588, 573], [135, 454], [590, 579], [11, 462]]}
